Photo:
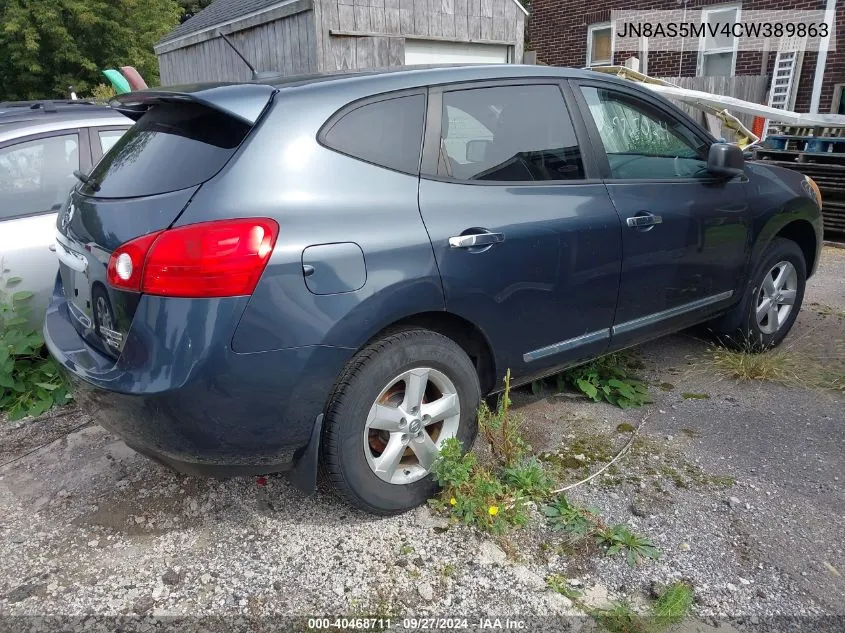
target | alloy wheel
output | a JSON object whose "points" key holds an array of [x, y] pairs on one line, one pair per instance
{"points": [[410, 419], [103, 313], [776, 297]]}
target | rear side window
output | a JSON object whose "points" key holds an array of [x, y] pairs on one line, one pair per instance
{"points": [[491, 134], [171, 147], [387, 133]]}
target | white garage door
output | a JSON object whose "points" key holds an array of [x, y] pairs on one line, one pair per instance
{"points": [[432, 52]]}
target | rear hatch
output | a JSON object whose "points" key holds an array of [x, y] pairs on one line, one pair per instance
{"points": [[181, 140]]}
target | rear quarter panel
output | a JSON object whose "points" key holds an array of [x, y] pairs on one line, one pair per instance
{"points": [[319, 196]]}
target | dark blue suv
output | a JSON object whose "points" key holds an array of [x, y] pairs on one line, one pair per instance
{"points": [[336, 269]]}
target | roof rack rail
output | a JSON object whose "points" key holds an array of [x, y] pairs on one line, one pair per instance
{"points": [[47, 105]]}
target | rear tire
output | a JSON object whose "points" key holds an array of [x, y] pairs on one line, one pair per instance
{"points": [[772, 300], [103, 313], [376, 448]]}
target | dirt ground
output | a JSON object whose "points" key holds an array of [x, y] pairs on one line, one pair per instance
{"points": [[740, 484]]}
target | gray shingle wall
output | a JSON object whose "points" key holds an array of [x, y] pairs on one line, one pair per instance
{"points": [[218, 12], [286, 46], [389, 22]]}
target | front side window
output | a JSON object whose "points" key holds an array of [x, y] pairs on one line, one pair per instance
{"points": [[491, 134], [642, 142], [599, 44], [387, 133], [718, 45], [36, 176]]}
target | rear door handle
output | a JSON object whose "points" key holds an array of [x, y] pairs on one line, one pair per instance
{"points": [[645, 219], [476, 239]]}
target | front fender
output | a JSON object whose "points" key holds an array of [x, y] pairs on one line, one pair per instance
{"points": [[783, 205]]}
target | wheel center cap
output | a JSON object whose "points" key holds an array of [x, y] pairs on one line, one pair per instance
{"points": [[415, 426]]}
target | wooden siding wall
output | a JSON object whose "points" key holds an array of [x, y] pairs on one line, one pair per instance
{"points": [[371, 33], [748, 88], [286, 46]]}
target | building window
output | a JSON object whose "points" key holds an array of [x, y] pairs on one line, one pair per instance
{"points": [[644, 55], [717, 49], [837, 106], [599, 44]]}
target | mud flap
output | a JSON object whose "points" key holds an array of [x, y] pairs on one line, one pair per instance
{"points": [[304, 474]]}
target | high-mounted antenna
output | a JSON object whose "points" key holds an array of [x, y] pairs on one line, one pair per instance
{"points": [[256, 74]]}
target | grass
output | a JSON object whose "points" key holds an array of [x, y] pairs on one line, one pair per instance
{"points": [[805, 361], [670, 608], [833, 380], [826, 310], [674, 603], [773, 365], [379, 608], [647, 460], [561, 585], [781, 366]]}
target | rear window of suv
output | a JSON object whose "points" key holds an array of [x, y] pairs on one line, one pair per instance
{"points": [[171, 147]]}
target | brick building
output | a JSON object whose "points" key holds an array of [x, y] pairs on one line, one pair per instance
{"points": [[577, 33]]}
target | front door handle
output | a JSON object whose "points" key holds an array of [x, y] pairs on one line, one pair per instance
{"points": [[476, 239], [645, 219]]}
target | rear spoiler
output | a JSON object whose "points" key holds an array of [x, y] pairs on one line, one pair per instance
{"points": [[244, 102]]}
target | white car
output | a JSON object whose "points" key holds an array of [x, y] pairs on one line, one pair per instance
{"points": [[41, 144]]}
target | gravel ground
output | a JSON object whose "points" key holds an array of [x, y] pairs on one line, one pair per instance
{"points": [[742, 491]]}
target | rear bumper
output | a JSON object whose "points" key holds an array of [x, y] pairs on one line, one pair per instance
{"points": [[181, 396]]}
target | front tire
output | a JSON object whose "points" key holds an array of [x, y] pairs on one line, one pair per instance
{"points": [[396, 402], [773, 299]]}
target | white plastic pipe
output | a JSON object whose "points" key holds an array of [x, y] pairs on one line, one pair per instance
{"points": [[746, 107], [821, 57]]}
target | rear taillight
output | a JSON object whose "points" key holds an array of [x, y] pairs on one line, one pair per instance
{"points": [[126, 263], [211, 259]]}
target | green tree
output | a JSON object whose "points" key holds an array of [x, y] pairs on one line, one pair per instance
{"points": [[192, 7], [48, 45]]}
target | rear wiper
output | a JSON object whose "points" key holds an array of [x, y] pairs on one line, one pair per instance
{"points": [[86, 179]]}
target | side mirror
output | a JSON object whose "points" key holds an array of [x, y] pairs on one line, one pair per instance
{"points": [[477, 150], [725, 160]]}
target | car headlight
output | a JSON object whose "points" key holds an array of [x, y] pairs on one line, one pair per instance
{"points": [[813, 190]]}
